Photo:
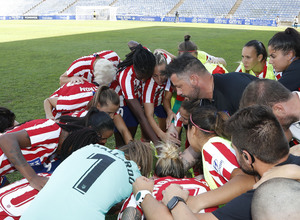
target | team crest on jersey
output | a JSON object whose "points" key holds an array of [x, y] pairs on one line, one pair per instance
{"points": [[218, 165]]}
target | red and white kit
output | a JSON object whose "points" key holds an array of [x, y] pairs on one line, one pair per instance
{"points": [[153, 93], [16, 198], [127, 86], [73, 97], [44, 136], [194, 186], [83, 66], [220, 160]]}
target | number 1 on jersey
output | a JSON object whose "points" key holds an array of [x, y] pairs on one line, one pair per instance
{"points": [[92, 174]]}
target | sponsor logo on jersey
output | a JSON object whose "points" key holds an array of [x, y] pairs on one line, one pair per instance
{"points": [[35, 162]]}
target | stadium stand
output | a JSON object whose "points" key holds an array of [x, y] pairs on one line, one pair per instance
{"points": [[205, 8], [256, 9], [268, 9], [144, 7], [72, 9], [50, 7], [16, 7]]}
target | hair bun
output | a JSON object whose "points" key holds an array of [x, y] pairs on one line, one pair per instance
{"points": [[187, 37], [288, 31], [168, 150]]}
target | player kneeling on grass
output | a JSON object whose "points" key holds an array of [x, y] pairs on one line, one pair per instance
{"points": [[99, 67], [40, 142], [136, 69], [91, 181], [169, 169]]}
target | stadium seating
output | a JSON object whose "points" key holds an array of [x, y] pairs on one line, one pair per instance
{"points": [[268, 9], [205, 8], [144, 7], [16, 7], [72, 9], [50, 7]]}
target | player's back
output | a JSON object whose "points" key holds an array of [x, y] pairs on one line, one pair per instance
{"points": [[85, 186]]}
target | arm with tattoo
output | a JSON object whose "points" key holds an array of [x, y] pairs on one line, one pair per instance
{"points": [[131, 213]]}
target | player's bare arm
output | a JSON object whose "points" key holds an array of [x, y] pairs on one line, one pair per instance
{"points": [[137, 110], [11, 145]]}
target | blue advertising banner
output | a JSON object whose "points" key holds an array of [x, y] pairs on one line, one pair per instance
{"points": [[238, 21]]}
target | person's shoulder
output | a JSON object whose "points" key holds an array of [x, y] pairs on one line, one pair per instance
{"points": [[238, 208], [128, 71], [292, 159], [235, 76]]}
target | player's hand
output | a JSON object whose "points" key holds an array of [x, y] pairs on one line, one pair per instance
{"points": [[217, 60], [172, 131], [77, 80], [142, 183], [170, 138], [174, 190], [169, 119], [38, 182]]}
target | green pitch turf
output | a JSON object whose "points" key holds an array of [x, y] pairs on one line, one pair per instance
{"points": [[33, 54]]}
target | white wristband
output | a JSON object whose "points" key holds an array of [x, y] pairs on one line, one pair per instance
{"points": [[139, 197]]}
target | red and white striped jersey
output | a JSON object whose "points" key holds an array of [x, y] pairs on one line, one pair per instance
{"points": [[78, 114], [219, 159], [16, 198], [193, 185], [127, 86], [153, 93], [73, 97], [83, 66], [44, 137], [177, 121]]}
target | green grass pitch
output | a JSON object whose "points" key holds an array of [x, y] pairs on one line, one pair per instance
{"points": [[33, 54]]}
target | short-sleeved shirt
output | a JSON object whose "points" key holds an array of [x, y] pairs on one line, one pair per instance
{"points": [[266, 73], [44, 137], [84, 66], [16, 198], [193, 185], [85, 185], [228, 90], [219, 160], [213, 68], [152, 92], [240, 207], [127, 86], [291, 77], [73, 97]]}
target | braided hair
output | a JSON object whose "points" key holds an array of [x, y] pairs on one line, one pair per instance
{"points": [[77, 140], [143, 62]]}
